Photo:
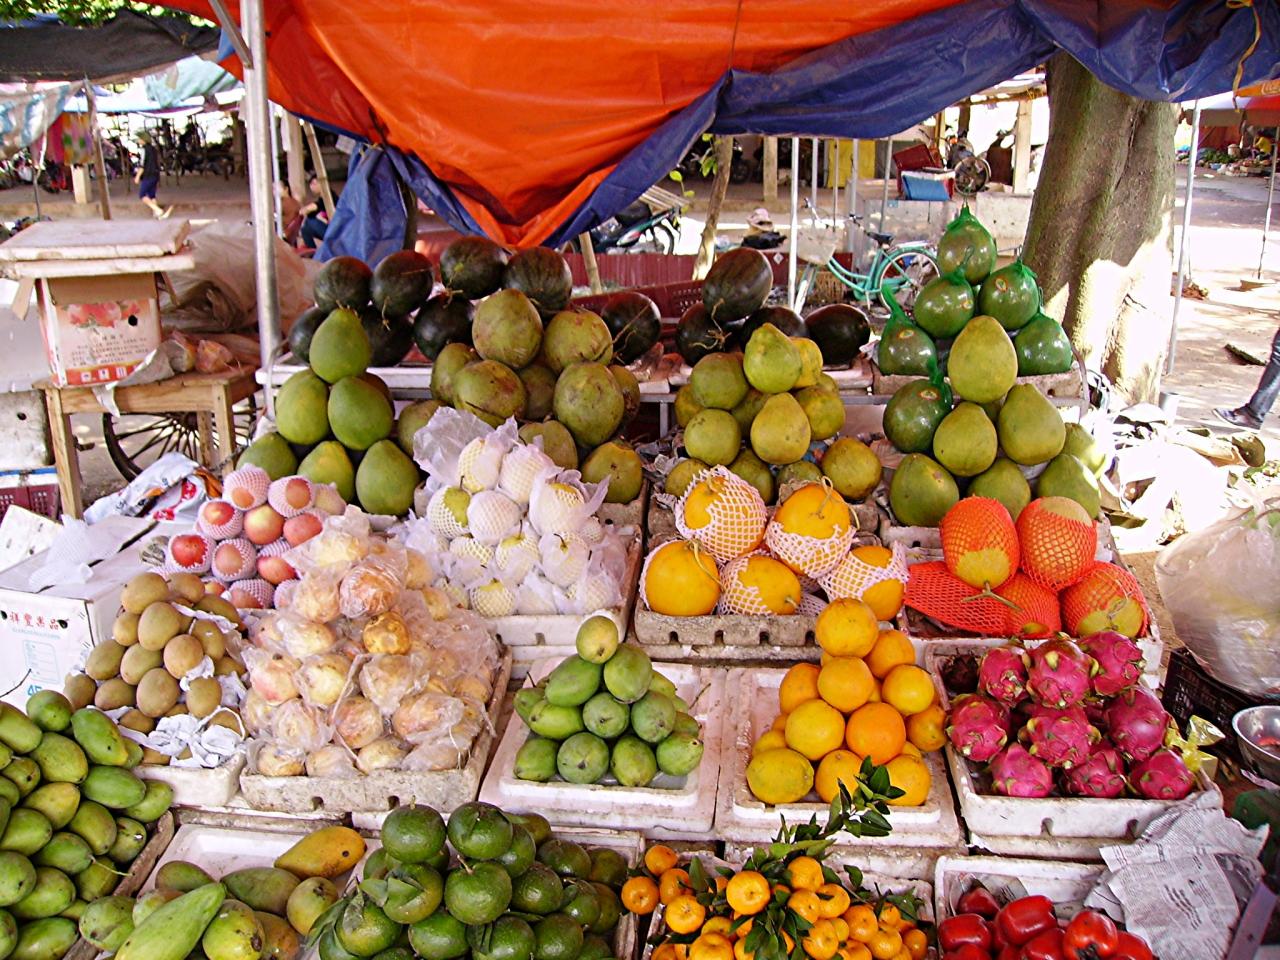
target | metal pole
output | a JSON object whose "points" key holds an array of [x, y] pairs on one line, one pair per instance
{"points": [[792, 252], [278, 213], [1271, 189], [813, 176], [99, 162], [884, 195], [257, 120], [1186, 238], [852, 189]]}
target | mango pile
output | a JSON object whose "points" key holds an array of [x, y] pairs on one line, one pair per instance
{"points": [[494, 885], [73, 816], [606, 712], [153, 647], [249, 914]]}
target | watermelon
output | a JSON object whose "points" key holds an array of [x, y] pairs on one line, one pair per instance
{"points": [[784, 318], [400, 282], [840, 330], [737, 284], [635, 323], [303, 329], [343, 282], [389, 337], [473, 267], [697, 335], [543, 276], [443, 319]]}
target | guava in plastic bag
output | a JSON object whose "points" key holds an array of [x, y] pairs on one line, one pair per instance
{"points": [[357, 721], [298, 727], [273, 675], [324, 678], [332, 761]]}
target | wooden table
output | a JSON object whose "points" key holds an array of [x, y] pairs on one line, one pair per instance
{"points": [[210, 396]]}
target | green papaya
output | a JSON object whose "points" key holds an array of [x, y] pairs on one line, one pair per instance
{"points": [[174, 929]]}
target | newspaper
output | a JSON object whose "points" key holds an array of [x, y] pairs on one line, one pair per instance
{"points": [[1182, 884]]}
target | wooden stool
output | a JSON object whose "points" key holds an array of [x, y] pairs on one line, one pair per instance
{"points": [[208, 395]]}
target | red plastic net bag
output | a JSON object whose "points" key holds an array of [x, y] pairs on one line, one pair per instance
{"points": [[934, 591], [979, 542], [1057, 550], [1107, 597], [1032, 610]]}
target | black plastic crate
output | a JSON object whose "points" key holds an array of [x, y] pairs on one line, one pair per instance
{"points": [[1190, 690]]}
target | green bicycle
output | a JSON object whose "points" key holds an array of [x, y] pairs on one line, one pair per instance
{"points": [[897, 270]]}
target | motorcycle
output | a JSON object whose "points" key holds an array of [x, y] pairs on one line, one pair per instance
{"points": [[636, 229]]}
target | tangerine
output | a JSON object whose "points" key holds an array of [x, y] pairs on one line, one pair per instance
{"points": [[916, 943], [847, 628], [855, 951], [748, 892], [842, 927], [821, 942], [890, 916], [665, 951], [799, 684], [640, 895], [862, 922], [907, 687], [681, 579], [711, 946], [770, 740], [685, 914], [837, 767], [885, 944], [876, 730], [740, 951], [805, 873], [779, 723], [805, 903], [835, 900], [717, 925], [660, 858], [892, 648], [909, 749], [928, 728], [846, 683], [673, 883], [911, 775], [814, 729]]}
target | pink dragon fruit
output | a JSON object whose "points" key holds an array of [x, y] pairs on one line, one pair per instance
{"points": [[1136, 723], [1016, 773], [1061, 738], [1003, 674], [1101, 775], [1059, 674], [1162, 776], [1119, 660], [979, 727]]}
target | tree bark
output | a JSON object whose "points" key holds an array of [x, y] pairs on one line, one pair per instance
{"points": [[719, 187], [1100, 234]]}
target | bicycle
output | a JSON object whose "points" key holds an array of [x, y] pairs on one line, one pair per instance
{"points": [[898, 270]]}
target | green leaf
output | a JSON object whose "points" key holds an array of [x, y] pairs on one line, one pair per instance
{"points": [[698, 877], [855, 876]]}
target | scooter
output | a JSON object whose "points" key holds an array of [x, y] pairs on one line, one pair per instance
{"points": [[637, 228]]}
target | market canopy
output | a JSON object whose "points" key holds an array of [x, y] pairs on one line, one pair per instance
{"points": [[1258, 104], [533, 122]]}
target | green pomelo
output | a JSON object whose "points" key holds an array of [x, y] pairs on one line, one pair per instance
{"points": [[1003, 481], [359, 414], [302, 408], [982, 365], [506, 328], [780, 432], [852, 467], [489, 390], [1030, 428], [340, 347], [905, 350], [682, 475], [328, 462], [967, 245], [1067, 476], [272, 453], [412, 419], [557, 442], [617, 464], [386, 480], [589, 402], [771, 361], [630, 388], [1042, 347], [451, 358], [539, 390], [913, 414], [824, 410], [944, 306], [965, 441], [686, 405], [756, 472], [717, 381], [713, 437], [921, 491], [1011, 295], [1079, 443], [574, 336], [746, 411]]}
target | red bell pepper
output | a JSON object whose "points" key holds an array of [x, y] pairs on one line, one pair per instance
{"points": [[1046, 945], [963, 929], [1020, 921], [1131, 947], [969, 951], [1090, 936], [978, 899]]}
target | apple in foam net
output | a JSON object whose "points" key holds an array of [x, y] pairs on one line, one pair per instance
{"points": [[275, 569], [303, 527], [233, 560], [291, 495], [190, 550], [263, 524]]}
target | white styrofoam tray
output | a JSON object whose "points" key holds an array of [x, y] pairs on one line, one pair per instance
{"points": [[897, 863], [1061, 882], [197, 786], [1092, 820], [682, 807], [740, 816]]}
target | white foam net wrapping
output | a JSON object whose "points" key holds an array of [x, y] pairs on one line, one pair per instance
{"points": [[736, 514]]}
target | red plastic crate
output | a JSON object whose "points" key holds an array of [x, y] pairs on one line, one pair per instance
{"points": [[41, 498]]}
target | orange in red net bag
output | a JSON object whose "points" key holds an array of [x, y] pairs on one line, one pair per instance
{"points": [[979, 542], [936, 592], [1032, 610], [1058, 541], [1107, 597]]}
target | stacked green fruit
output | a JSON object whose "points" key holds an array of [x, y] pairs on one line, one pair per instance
{"points": [[606, 712], [489, 884], [72, 817]]}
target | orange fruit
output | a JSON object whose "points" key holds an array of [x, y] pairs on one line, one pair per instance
{"points": [[876, 730], [667, 951], [875, 694], [721, 882], [685, 914], [892, 648], [740, 951], [711, 946], [779, 722], [787, 941], [681, 579], [821, 942], [885, 597], [814, 729], [842, 928], [885, 944], [640, 895], [759, 585], [916, 943], [805, 873], [724, 513], [927, 730], [805, 903], [748, 892], [672, 884], [660, 858], [835, 900], [717, 925], [847, 628], [770, 740], [744, 928], [845, 683], [862, 922], [907, 687], [838, 766], [890, 916], [799, 684], [855, 951]]}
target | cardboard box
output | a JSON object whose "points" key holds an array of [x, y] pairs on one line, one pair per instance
{"points": [[44, 634], [98, 329]]}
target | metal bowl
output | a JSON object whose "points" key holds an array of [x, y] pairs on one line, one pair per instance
{"points": [[1254, 724]]}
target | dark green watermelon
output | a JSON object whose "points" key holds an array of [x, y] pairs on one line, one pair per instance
{"points": [[543, 276], [697, 335], [343, 282], [443, 319], [400, 282], [840, 330], [635, 323], [389, 337], [303, 329], [1042, 347], [473, 267], [784, 318], [913, 414], [737, 284], [1011, 295]]}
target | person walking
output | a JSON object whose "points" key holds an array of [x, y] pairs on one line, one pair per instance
{"points": [[148, 177], [1251, 415]]}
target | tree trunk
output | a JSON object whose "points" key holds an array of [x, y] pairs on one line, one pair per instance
{"points": [[1100, 235], [719, 186]]}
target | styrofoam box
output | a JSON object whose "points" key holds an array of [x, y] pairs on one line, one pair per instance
{"points": [[740, 816], [45, 633], [197, 786], [895, 863], [1061, 882], [682, 807], [1084, 823]]}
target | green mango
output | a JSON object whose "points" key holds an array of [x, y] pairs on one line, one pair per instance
{"points": [[234, 933], [181, 876], [52, 894], [262, 888], [95, 825], [26, 832], [17, 877], [151, 901], [156, 799], [573, 682], [114, 787], [921, 491], [8, 933], [49, 710], [100, 737], [59, 802], [65, 852], [106, 922], [97, 880], [555, 723], [47, 939], [131, 837], [174, 929], [23, 773], [17, 731]]}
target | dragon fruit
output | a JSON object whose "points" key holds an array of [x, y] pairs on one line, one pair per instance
{"points": [[1119, 660], [1101, 775], [1136, 723], [1016, 773], [979, 727], [1061, 738], [1003, 674], [1162, 776], [1059, 674]]}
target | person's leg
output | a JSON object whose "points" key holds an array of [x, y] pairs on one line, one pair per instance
{"points": [[1251, 415], [313, 231]]}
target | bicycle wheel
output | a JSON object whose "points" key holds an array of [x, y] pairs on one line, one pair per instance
{"points": [[903, 275], [135, 441]]}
